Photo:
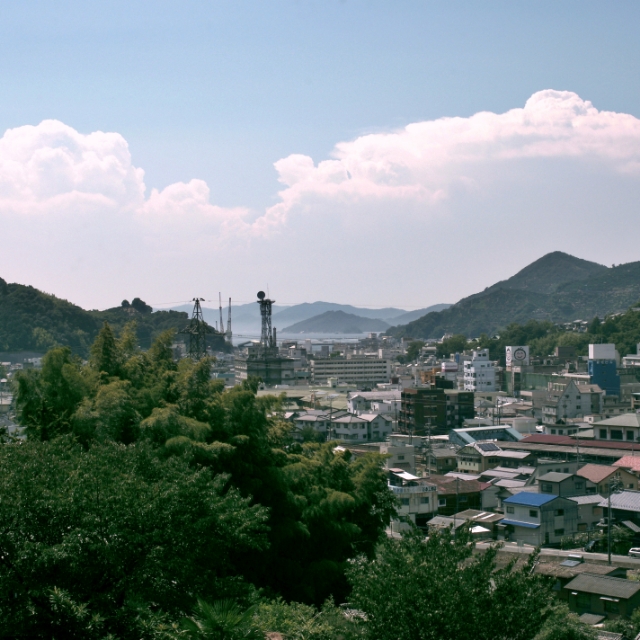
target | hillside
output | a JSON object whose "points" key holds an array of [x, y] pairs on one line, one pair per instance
{"points": [[405, 318], [31, 320], [337, 322], [541, 291]]}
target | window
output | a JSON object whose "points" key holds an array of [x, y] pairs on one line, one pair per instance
{"points": [[558, 532], [442, 502], [463, 498], [404, 502], [584, 601], [579, 485], [603, 434], [510, 510], [424, 500], [533, 513], [400, 457], [553, 432], [611, 607], [546, 488], [629, 435], [616, 434], [559, 512]]}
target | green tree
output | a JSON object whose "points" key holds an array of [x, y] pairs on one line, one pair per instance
{"points": [[221, 620], [113, 534], [106, 357], [562, 624], [461, 596], [454, 344]]}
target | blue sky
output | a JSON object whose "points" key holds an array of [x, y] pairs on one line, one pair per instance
{"points": [[220, 91]]}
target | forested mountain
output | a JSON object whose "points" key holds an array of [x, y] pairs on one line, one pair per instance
{"points": [[31, 320], [557, 287], [337, 322]]}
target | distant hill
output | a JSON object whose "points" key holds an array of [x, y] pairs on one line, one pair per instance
{"points": [[405, 318], [337, 322], [31, 320], [557, 287]]}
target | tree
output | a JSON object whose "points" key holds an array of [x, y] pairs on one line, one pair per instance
{"points": [[417, 590], [222, 620], [105, 354], [115, 533], [454, 344], [562, 624]]}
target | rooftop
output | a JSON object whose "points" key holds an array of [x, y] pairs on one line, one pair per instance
{"points": [[623, 420], [554, 476], [596, 473], [595, 499], [624, 501], [629, 462], [604, 586], [530, 499]]}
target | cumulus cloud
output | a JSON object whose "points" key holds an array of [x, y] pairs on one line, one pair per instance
{"points": [[426, 162], [555, 174]]}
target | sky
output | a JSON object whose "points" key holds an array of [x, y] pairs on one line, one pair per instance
{"points": [[364, 152]]}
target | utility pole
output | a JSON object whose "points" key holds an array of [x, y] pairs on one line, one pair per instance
{"points": [[614, 487], [197, 331]]}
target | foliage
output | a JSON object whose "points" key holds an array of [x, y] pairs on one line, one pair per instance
{"points": [[460, 595], [413, 351], [221, 620], [104, 533], [562, 624], [454, 344], [630, 628], [296, 621]]}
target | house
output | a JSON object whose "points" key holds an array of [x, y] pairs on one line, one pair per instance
{"points": [[630, 463], [625, 506], [379, 426], [602, 595], [417, 499], [601, 476], [565, 571], [399, 456], [563, 484], [589, 511], [537, 519], [486, 519], [478, 457], [442, 459], [455, 494]]}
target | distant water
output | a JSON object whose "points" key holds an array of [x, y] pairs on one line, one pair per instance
{"points": [[301, 337]]}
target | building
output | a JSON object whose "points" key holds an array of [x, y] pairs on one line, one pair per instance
{"points": [[567, 400], [537, 518], [468, 435], [603, 368], [379, 426], [439, 410], [479, 372], [632, 360], [601, 476], [399, 456], [625, 427], [265, 364], [602, 595], [417, 499], [589, 511], [456, 494], [564, 485], [480, 456], [351, 369]]}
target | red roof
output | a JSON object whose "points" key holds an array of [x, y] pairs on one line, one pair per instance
{"points": [[596, 473], [540, 438], [629, 462]]}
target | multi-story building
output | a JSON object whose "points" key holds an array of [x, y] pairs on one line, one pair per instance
{"points": [[479, 372], [602, 368], [538, 518], [352, 369], [439, 410], [566, 400], [417, 499]]}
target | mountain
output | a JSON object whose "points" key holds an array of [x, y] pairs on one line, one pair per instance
{"points": [[31, 320], [557, 287], [405, 318], [337, 322]]}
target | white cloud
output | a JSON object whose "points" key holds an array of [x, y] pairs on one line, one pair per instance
{"points": [[402, 216]]}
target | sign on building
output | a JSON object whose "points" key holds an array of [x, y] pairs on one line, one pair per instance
{"points": [[517, 356]]}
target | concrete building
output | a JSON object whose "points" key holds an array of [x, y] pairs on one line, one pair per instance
{"points": [[439, 409], [477, 457], [266, 364], [625, 427], [602, 367], [417, 498], [567, 400], [480, 373], [352, 369], [537, 519]]}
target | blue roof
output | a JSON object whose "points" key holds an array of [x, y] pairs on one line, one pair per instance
{"points": [[518, 523], [530, 499]]}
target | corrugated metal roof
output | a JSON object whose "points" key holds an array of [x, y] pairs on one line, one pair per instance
{"points": [[595, 499], [530, 499], [604, 585], [518, 523], [554, 476], [625, 501]]}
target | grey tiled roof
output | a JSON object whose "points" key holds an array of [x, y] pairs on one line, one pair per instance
{"points": [[604, 586]]}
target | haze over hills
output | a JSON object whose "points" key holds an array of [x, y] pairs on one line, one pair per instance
{"points": [[246, 317], [337, 322], [557, 287]]}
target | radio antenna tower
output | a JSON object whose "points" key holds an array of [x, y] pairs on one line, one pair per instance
{"points": [[229, 335], [197, 331], [267, 337]]}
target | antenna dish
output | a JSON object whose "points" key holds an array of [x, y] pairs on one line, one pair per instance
{"points": [[261, 295]]}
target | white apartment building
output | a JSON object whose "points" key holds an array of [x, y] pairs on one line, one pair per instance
{"points": [[479, 372], [352, 369]]}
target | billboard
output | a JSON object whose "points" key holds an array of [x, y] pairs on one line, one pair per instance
{"points": [[517, 356]]}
